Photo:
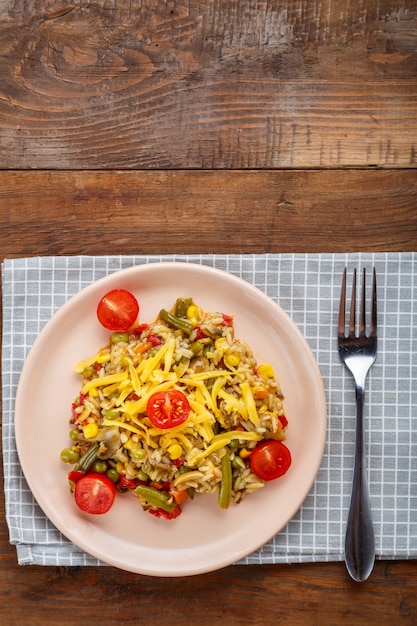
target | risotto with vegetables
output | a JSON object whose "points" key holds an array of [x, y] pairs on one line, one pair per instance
{"points": [[171, 409]]}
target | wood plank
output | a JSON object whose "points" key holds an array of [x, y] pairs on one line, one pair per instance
{"points": [[191, 84], [291, 595], [240, 594], [120, 212]]}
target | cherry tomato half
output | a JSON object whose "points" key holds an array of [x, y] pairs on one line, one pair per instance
{"points": [[167, 409], [94, 493], [270, 459], [118, 310]]}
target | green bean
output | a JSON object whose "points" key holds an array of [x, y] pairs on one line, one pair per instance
{"points": [[182, 305], [225, 490], [158, 499], [87, 460], [176, 322]]}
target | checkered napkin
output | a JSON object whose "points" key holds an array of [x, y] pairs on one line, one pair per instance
{"points": [[307, 287]]}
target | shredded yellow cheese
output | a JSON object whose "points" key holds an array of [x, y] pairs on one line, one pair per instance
{"points": [[139, 406], [221, 441], [123, 425], [103, 381], [249, 401], [233, 403], [147, 366]]}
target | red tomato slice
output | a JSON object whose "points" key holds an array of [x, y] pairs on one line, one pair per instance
{"points": [[167, 409], [94, 493], [118, 310], [270, 459]]}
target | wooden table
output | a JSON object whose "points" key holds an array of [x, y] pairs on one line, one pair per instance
{"points": [[233, 126]]}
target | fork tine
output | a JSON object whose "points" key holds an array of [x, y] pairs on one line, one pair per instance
{"points": [[362, 318], [352, 319], [342, 307], [373, 323]]}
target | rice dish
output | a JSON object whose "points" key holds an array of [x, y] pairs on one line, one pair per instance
{"points": [[234, 404]]}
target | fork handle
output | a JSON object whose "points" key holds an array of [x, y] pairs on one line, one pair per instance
{"points": [[359, 541]]}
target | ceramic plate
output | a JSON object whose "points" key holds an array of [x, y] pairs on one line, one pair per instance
{"points": [[204, 537]]}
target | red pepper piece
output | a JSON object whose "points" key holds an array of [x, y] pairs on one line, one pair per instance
{"points": [[154, 339], [199, 333], [74, 476]]}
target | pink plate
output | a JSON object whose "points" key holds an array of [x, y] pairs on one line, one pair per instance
{"points": [[204, 537]]}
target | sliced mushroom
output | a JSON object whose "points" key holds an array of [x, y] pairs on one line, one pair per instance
{"points": [[109, 439]]}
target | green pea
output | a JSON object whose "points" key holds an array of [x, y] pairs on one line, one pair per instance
{"points": [[113, 475], [100, 467], [88, 371], [74, 432], [141, 475], [234, 444], [238, 463], [138, 454], [111, 414], [119, 337], [146, 467], [68, 455]]}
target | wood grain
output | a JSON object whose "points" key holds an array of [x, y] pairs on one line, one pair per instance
{"points": [[207, 126], [314, 594], [230, 84], [212, 211]]}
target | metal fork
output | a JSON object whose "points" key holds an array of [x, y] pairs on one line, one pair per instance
{"points": [[358, 353]]}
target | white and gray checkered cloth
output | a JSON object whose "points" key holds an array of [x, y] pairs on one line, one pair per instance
{"points": [[307, 287]]}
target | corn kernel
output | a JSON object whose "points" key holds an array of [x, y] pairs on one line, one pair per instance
{"points": [[90, 430], [93, 392], [120, 467], [221, 344], [129, 444], [192, 314], [232, 360], [103, 358], [244, 453], [266, 370], [259, 392], [175, 451]]}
